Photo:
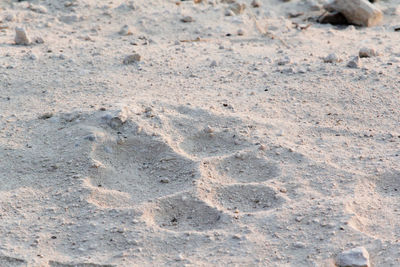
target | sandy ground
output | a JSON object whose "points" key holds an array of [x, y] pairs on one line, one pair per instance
{"points": [[231, 142]]}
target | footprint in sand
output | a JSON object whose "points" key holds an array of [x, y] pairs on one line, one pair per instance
{"points": [[248, 198], [248, 168], [374, 209], [184, 212], [141, 167]]}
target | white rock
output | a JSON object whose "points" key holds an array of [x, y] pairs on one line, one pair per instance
{"points": [[125, 31], [38, 9], [21, 37], [356, 257], [367, 52]]}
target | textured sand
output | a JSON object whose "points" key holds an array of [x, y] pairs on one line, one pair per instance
{"points": [[240, 150]]}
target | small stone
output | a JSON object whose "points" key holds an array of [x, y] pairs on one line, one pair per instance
{"points": [[46, 116], [9, 17], [39, 40], [367, 52], [69, 19], [283, 61], [131, 59], [187, 19], [213, 63], [355, 63], [262, 147], [255, 3], [38, 9], [236, 9], [164, 181], [240, 32], [356, 257], [125, 31], [90, 137], [283, 190], [332, 58], [299, 245], [118, 118], [208, 129], [21, 37]]}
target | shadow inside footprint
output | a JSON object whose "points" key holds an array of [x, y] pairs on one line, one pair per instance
{"points": [[247, 168], [144, 167], [184, 212], [388, 184], [248, 198]]}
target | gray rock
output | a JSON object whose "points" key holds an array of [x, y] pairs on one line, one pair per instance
{"points": [[117, 118], [255, 3], [355, 63], [69, 19], [356, 257], [187, 19], [21, 37], [332, 58], [131, 59]]}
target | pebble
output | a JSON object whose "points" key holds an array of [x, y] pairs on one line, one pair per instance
{"points": [[187, 19], [10, 17], [367, 52], [213, 63], [355, 63], [118, 118], [332, 58], [284, 61], [164, 181], [38, 9], [46, 116], [21, 37], [131, 59], [356, 257], [299, 245], [240, 32], [90, 137], [208, 129], [235, 9], [39, 40], [125, 31], [255, 3], [69, 19]]}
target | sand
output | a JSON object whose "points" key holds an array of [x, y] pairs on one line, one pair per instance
{"points": [[225, 140]]}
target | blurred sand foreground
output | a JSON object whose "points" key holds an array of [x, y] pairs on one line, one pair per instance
{"points": [[155, 133]]}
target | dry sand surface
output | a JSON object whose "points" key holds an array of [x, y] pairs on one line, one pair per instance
{"points": [[225, 139]]}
